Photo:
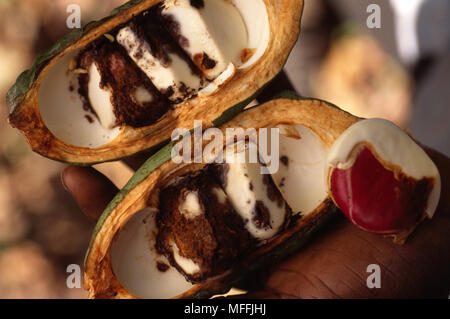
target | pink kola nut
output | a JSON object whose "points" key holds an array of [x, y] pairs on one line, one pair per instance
{"points": [[376, 200]]}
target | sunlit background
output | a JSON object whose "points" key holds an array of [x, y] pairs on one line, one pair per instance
{"points": [[400, 71]]}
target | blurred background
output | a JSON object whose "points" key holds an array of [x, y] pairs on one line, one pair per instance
{"points": [[400, 71]]}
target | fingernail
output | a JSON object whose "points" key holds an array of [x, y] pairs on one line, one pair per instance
{"points": [[61, 176]]}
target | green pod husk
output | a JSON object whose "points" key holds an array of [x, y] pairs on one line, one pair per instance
{"points": [[220, 106], [324, 119]]}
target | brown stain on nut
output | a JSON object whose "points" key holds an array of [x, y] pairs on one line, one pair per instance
{"points": [[198, 4], [246, 54], [284, 160], [204, 62], [162, 267]]}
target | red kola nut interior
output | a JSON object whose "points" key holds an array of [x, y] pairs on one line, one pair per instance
{"points": [[381, 179], [373, 198]]}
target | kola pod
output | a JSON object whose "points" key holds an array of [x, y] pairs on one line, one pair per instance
{"points": [[315, 139], [45, 105]]}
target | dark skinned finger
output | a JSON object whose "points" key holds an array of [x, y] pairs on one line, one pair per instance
{"points": [[91, 189]]}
